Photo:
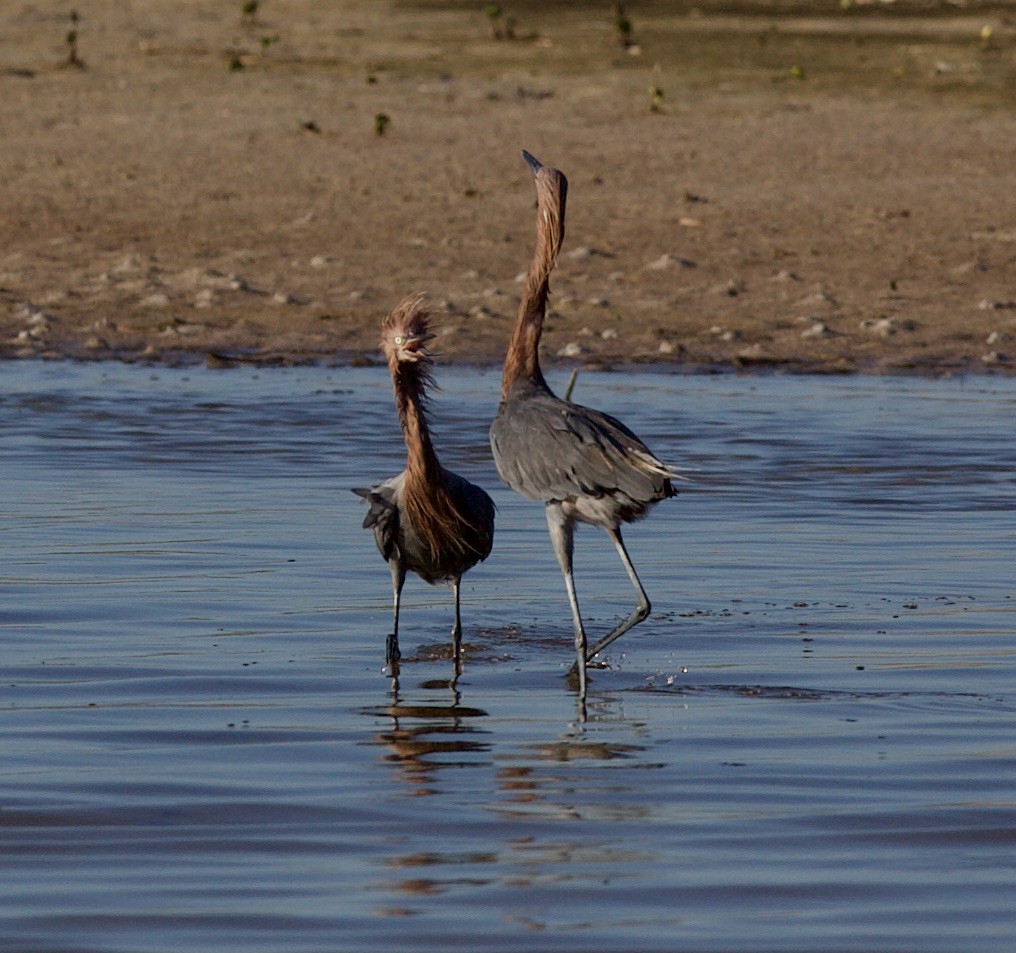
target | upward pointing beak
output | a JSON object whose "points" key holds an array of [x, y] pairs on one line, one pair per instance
{"points": [[534, 164], [415, 341]]}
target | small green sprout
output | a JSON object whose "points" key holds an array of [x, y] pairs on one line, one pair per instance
{"points": [[71, 42], [493, 12]]}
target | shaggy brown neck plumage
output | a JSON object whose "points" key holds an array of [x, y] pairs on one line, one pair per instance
{"points": [[410, 382], [522, 361], [426, 500]]}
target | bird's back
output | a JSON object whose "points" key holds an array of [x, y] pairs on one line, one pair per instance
{"points": [[398, 539], [552, 450]]}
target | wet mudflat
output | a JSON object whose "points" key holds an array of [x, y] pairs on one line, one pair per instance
{"points": [[808, 746]]}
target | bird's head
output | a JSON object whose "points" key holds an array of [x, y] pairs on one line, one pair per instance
{"points": [[406, 332], [551, 198]]}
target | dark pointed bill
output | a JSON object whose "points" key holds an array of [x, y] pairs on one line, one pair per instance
{"points": [[532, 162]]}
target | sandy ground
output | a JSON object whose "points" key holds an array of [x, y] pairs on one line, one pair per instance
{"points": [[819, 188]]}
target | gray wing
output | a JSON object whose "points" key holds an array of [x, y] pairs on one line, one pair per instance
{"points": [[383, 516], [550, 449]]}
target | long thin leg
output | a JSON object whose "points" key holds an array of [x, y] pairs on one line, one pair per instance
{"points": [[562, 533], [639, 614], [457, 628], [392, 653]]}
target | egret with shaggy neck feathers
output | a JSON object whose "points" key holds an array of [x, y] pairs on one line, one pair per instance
{"points": [[426, 520]]}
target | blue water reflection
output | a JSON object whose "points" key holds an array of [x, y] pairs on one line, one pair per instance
{"points": [[807, 747]]}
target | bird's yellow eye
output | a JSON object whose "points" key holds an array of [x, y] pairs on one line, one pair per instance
{"points": [[398, 339]]}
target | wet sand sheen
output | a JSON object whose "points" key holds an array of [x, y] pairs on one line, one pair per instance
{"points": [[808, 746]]}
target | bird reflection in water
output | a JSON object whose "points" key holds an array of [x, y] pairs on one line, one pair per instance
{"points": [[576, 778], [426, 738]]}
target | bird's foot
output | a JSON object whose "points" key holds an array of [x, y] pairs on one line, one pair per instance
{"points": [[573, 672], [392, 653]]}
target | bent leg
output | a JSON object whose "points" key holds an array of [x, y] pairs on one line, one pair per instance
{"points": [[641, 611]]}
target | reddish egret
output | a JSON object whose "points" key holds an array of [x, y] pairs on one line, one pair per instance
{"points": [[427, 519], [584, 465]]}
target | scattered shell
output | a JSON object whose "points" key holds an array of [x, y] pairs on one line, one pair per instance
{"points": [[127, 264], [320, 261], [886, 327], [608, 334], [669, 261], [998, 337], [204, 298], [667, 347], [239, 283], [481, 311], [751, 353], [597, 302], [821, 297], [686, 222], [182, 329], [817, 330], [988, 305], [31, 313], [995, 357], [583, 251], [733, 288], [95, 343], [572, 349], [37, 330]]}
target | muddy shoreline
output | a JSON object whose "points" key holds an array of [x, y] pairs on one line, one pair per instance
{"points": [[811, 192]]}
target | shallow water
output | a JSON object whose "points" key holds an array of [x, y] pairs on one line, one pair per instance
{"points": [[808, 746]]}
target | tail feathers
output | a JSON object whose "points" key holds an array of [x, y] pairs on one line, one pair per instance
{"points": [[652, 465], [381, 508], [382, 518]]}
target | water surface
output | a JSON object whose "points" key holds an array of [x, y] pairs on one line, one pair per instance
{"points": [[808, 746]]}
